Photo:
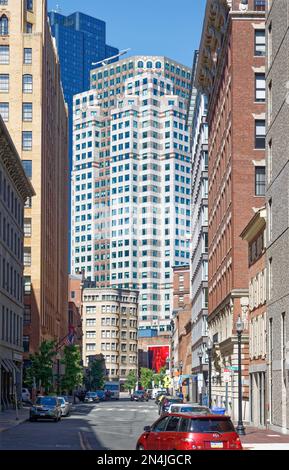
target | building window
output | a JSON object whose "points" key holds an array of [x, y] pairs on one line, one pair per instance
{"points": [[27, 84], [3, 2], [4, 55], [27, 256], [29, 28], [260, 87], [27, 56], [4, 83], [26, 343], [4, 26], [260, 134], [27, 314], [260, 42], [29, 5], [27, 165], [27, 227], [4, 111], [27, 284], [27, 112], [260, 185], [26, 140], [259, 5]]}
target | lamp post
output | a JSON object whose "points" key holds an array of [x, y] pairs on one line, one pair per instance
{"points": [[181, 373], [209, 349], [200, 354], [240, 328]]}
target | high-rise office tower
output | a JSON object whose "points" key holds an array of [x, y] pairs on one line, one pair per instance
{"points": [[131, 179], [32, 105], [81, 41]]}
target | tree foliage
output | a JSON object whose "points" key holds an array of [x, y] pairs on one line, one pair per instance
{"points": [[131, 381], [41, 368], [146, 377], [96, 374], [73, 376], [160, 377]]}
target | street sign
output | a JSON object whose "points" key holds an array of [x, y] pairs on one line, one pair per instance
{"points": [[233, 368]]}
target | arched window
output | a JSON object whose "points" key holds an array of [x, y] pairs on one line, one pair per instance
{"points": [[27, 84], [4, 26], [140, 64], [158, 65], [149, 65]]}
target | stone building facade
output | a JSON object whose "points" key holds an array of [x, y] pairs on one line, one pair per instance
{"points": [[15, 188], [277, 198]]}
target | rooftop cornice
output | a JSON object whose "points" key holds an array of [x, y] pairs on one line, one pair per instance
{"points": [[12, 162]]}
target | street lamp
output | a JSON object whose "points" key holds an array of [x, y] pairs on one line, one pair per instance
{"points": [[200, 354], [240, 328], [209, 349]]}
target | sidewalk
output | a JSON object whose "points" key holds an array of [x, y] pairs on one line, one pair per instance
{"points": [[264, 439], [8, 418]]}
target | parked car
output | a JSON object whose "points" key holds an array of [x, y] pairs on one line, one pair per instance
{"points": [[193, 408], [190, 432], [160, 396], [167, 402], [26, 396], [46, 408], [65, 406], [139, 395], [91, 397], [101, 395], [158, 391]]}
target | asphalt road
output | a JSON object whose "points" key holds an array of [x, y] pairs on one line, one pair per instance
{"points": [[113, 425]]}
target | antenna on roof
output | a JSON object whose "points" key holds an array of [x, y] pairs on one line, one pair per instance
{"points": [[57, 9], [106, 61]]}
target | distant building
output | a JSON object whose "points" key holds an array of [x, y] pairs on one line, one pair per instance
{"points": [[110, 318], [197, 120], [131, 182], [255, 234], [181, 348], [15, 189], [81, 41]]}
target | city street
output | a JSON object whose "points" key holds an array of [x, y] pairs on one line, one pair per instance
{"points": [[114, 425]]}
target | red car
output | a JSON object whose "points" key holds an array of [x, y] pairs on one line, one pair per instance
{"points": [[180, 431]]}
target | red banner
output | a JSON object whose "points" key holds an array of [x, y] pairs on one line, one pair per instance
{"points": [[158, 356]]}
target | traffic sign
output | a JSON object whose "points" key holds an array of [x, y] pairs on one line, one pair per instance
{"points": [[227, 375]]}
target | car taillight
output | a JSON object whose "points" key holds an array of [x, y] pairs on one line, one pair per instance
{"points": [[236, 444], [192, 443]]}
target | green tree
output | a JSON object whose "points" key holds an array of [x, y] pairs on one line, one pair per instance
{"points": [[73, 376], [160, 377], [96, 374], [146, 377], [131, 381], [41, 366]]}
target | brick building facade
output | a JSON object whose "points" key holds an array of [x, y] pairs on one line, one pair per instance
{"points": [[231, 72]]}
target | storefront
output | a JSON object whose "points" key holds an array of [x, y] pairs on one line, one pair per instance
{"points": [[10, 379]]}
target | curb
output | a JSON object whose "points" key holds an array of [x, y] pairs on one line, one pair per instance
{"points": [[14, 425]]}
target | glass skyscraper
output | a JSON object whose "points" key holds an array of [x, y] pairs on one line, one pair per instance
{"points": [[81, 40]]}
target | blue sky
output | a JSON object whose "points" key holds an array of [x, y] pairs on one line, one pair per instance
{"points": [[160, 27]]}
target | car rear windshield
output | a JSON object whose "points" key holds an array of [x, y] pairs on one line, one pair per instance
{"points": [[211, 425], [174, 400], [189, 409], [49, 401]]}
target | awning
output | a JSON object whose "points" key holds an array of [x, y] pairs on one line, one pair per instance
{"points": [[9, 365], [2, 363]]}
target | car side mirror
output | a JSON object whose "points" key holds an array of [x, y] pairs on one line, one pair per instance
{"points": [[147, 428]]}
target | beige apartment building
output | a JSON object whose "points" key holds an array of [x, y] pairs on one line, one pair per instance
{"points": [[33, 108], [110, 328]]}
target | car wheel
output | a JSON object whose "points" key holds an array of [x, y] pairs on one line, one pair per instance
{"points": [[55, 420], [32, 420]]}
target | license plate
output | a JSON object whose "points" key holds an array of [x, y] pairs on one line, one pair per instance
{"points": [[217, 445]]}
